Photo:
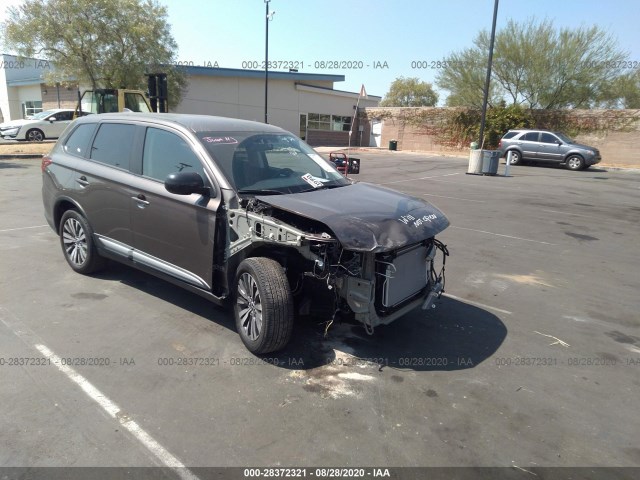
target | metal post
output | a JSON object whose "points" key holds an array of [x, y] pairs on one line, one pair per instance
{"points": [[266, 60], [488, 78], [506, 169]]}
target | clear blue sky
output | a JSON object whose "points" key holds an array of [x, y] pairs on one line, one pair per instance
{"points": [[397, 32]]}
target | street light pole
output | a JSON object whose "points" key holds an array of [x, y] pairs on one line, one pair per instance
{"points": [[488, 79], [266, 58]]}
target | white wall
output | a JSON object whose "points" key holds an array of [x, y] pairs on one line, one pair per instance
{"points": [[244, 98]]}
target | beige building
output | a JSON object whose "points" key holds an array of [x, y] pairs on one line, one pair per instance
{"points": [[303, 103]]}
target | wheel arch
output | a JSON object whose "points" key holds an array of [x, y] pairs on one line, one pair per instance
{"points": [[61, 206], [26, 133]]}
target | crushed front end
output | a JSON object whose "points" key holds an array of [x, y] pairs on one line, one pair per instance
{"points": [[361, 250]]}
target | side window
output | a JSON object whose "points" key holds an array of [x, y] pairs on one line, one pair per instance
{"points": [[135, 102], [112, 144], [548, 138], [509, 135], [64, 116], [165, 153], [530, 137], [78, 142]]}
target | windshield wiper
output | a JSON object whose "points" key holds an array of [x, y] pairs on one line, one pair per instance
{"points": [[259, 191], [322, 187]]}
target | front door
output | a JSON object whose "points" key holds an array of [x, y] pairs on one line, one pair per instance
{"points": [[549, 148], [172, 233]]}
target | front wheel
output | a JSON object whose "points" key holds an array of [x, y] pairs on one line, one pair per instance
{"points": [[575, 162], [35, 135], [263, 305], [76, 238]]}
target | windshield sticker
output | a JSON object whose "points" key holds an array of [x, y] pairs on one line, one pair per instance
{"points": [[408, 218], [220, 140], [311, 180]]}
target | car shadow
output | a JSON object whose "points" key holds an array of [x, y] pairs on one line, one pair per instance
{"points": [[556, 166], [5, 164], [454, 336]]}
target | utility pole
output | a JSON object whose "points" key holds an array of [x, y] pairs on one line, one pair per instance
{"points": [[488, 79], [268, 16]]}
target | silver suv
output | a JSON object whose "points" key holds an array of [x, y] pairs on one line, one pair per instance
{"points": [[242, 213], [546, 146]]}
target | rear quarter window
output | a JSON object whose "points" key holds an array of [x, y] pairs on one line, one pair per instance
{"points": [[113, 144], [530, 137], [509, 135], [78, 142]]}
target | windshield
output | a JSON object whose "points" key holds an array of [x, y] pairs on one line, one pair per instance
{"points": [[270, 163], [41, 115], [563, 137]]}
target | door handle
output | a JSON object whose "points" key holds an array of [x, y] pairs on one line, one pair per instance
{"points": [[141, 200], [82, 181]]}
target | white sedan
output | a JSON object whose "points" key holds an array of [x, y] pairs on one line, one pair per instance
{"points": [[47, 124]]}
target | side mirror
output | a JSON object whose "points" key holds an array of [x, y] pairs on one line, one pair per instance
{"points": [[185, 183], [52, 119]]}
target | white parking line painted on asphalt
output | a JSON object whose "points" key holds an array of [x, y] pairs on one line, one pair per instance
{"points": [[420, 178], [502, 235], [161, 453], [477, 304], [454, 198], [567, 213], [22, 228]]}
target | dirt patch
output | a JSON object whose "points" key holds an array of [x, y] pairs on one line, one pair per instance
{"points": [[13, 148]]}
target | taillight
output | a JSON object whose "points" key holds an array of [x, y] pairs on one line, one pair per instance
{"points": [[500, 144], [46, 161]]}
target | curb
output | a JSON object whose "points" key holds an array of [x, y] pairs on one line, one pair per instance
{"points": [[22, 155]]}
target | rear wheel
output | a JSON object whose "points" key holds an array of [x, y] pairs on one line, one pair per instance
{"points": [[76, 238], [516, 158], [35, 135], [575, 162], [263, 305]]}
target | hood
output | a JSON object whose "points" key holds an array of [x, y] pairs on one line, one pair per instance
{"points": [[366, 217], [15, 123], [583, 147]]}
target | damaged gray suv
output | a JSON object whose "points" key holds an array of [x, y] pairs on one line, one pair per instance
{"points": [[241, 213]]}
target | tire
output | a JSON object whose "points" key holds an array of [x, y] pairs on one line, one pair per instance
{"points": [[575, 162], [35, 135], [263, 306], [516, 157], [76, 239]]}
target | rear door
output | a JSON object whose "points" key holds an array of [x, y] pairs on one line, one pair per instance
{"points": [[549, 148], [101, 182], [528, 142], [173, 233]]}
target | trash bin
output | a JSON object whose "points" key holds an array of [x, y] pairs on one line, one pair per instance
{"points": [[490, 161], [354, 165], [393, 145], [475, 162]]}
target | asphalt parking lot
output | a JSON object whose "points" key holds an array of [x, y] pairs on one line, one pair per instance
{"points": [[532, 358]]}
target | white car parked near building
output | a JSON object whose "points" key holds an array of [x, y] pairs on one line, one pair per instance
{"points": [[47, 124]]}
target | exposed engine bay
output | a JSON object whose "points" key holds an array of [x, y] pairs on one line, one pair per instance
{"points": [[373, 264]]}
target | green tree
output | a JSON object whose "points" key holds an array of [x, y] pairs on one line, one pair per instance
{"points": [[102, 43], [624, 92], [410, 92], [536, 65]]}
